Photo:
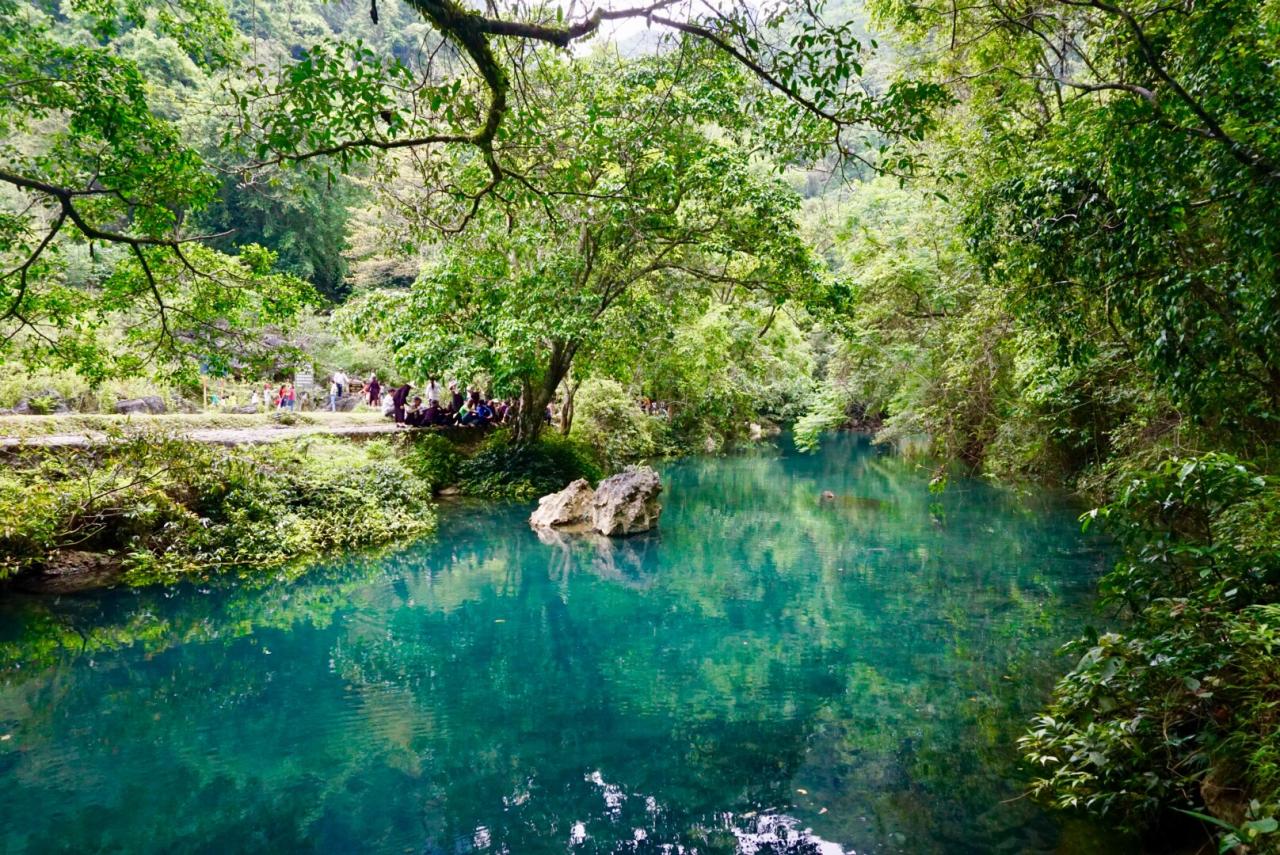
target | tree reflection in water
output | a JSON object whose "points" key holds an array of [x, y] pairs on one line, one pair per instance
{"points": [[767, 673]]}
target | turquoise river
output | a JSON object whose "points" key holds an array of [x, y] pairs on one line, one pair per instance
{"points": [[767, 673]]}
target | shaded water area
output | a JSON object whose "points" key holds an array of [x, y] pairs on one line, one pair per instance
{"points": [[767, 673]]}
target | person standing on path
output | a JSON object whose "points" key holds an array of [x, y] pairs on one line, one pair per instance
{"points": [[340, 379], [335, 392], [398, 397], [375, 390], [433, 391]]}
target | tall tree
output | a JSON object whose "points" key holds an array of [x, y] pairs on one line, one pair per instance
{"points": [[643, 202], [89, 162], [1125, 170]]}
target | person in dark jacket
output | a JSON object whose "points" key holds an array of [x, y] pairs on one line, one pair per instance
{"points": [[398, 398], [415, 414], [375, 390]]}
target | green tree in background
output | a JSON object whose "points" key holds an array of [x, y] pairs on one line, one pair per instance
{"points": [[640, 210], [91, 162], [301, 217], [1125, 183]]}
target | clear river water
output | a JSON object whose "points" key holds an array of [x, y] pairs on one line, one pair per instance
{"points": [[767, 673]]}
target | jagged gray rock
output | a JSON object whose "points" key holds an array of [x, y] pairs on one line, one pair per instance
{"points": [[570, 507], [627, 503], [346, 404], [152, 404], [46, 402]]}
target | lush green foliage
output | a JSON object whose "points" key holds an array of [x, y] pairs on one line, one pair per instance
{"points": [[501, 469], [606, 418], [648, 220], [91, 235], [168, 508], [301, 218], [1180, 708], [733, 364], [433, 459]]}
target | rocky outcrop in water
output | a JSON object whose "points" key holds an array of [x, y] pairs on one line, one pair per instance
{"points": [[623, 504], [570, 507], [627, 503]]}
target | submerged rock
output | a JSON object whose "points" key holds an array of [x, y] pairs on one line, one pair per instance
{"points": [[570, 507], [68, 571], [627, 503]]}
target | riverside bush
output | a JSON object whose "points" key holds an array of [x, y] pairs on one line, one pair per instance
{"points": [[607, 419], [169, 508], [433, 459], [1182, 709], [502, 470]]}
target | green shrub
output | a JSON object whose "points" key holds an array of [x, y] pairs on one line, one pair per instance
{"points": [[1185, 703], [42, 405], [501, 469], [433, 459], [609, 421], [170, 508]]}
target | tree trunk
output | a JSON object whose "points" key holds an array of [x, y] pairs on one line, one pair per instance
{"points": [[529, 416], [566, 412], [536, 394]]}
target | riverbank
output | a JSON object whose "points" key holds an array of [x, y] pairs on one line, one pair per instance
{"points": [[153, 508], [83, 431]]}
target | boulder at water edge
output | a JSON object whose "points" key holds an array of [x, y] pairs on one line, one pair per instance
{"points": [[570, 507], [627, 503]]}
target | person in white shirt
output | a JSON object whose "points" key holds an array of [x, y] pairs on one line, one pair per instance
{"points": [[340, 380], [433, 391], [335, 392]]}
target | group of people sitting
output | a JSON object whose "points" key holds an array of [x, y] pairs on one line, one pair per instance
{"points": [[438, 410]]}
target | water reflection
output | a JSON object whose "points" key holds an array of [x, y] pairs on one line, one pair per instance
{"points": [[770, 672]]}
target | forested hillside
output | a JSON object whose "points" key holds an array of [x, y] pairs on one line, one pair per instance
{"points": [[1043, 236]]}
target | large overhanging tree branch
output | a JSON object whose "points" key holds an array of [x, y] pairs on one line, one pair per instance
{"points": [[89, 171], [351, 104], [94, 166]]}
